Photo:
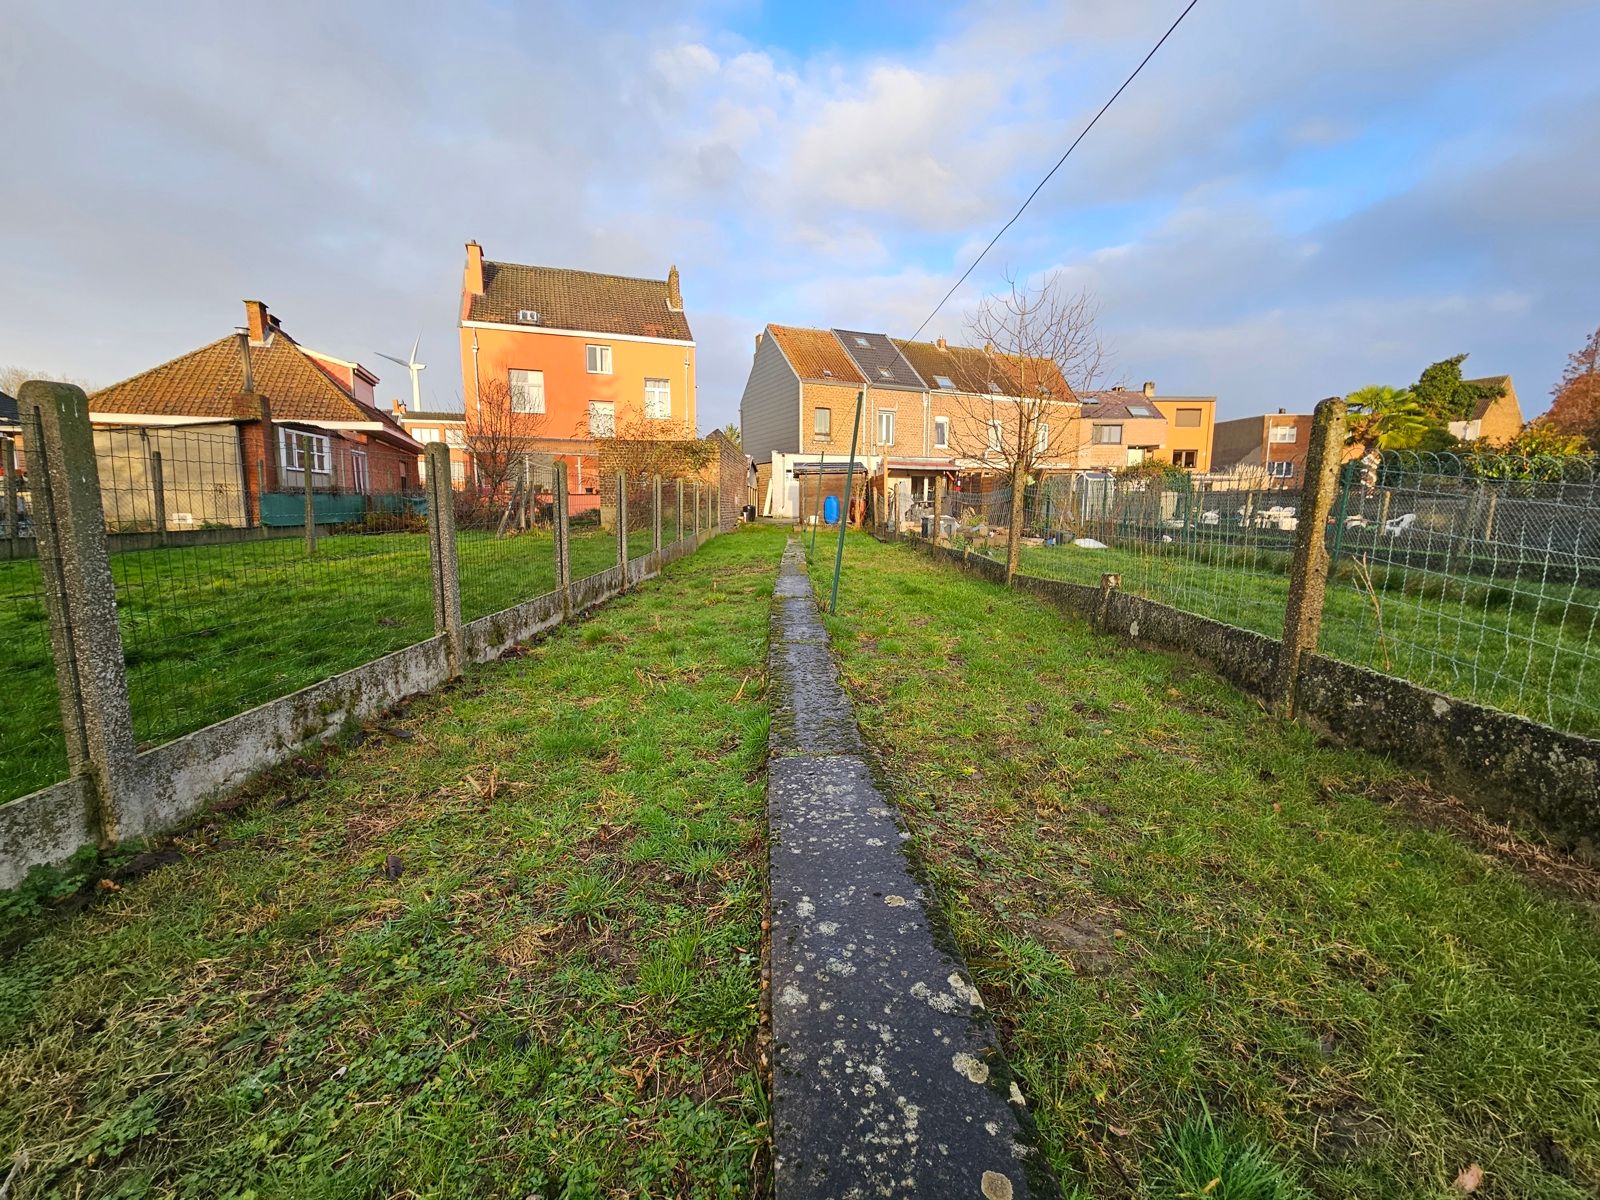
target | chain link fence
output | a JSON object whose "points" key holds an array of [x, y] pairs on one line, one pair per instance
{"points": [[1477, 576]]}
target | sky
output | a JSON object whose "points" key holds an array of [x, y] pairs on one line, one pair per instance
{"points": [[1295, 199]]}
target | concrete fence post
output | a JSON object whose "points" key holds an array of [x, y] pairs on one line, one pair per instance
{"points": [[655, 521], [158, 490], [938, 509], [442, 554], [80, 595], [678, 531], [559, 517], [1308, 571], [622, 525], [8, 447], [697, 508], [311, 500]]}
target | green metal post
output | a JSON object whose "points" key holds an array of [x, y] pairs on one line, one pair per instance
{"points": [[844, 515]]}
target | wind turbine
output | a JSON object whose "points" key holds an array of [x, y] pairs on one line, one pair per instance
{"points": [[411, 364]]}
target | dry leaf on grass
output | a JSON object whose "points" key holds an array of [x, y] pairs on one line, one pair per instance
{"points": [[1470, 1180]]}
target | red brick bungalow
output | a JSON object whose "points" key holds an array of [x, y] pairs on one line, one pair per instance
{"points": [[278, 394]]}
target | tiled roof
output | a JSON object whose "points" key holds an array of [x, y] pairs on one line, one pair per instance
{"points": [[1502, 386], [815, 354], [1120, 406], [966, 367], [435, 415], [579, 300], [207, 383], [878, 359]]}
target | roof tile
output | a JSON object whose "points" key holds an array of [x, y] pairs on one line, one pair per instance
{"points": [[580, 300]]}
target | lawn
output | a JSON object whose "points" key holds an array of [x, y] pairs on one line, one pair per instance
{"points": [[506, 943], [209, 631], [1204, 931], [1530, 648]]}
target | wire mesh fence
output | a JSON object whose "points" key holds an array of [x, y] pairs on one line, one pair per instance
{"points": [[505, 538], [32, 746], [1478, 576]]}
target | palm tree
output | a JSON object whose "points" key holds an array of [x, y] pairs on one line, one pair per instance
{"points": [[1385, 418]]}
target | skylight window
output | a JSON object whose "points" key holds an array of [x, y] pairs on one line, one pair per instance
{"points": [[862, 342], [1140, 410], [945, 382], [994, 389], [885, 373]]}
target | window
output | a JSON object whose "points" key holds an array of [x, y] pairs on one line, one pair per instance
{"points": [[455, 437], [1140, 410], [945, 382], [822, 422], [458, 472], [425, 434], [1188, 418], [602, 419], [290, 443], [1107, 435], [527, 390], [1282, 433], [886, 428], [358, 471], [1280, 470], [862, 342], [1186, 458], [1041, 444], [599, 360], [885, 373], [657, 399], [994, 390], [997, 437], [941, 433]]}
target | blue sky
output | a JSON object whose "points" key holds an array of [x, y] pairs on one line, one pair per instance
{"points": [[1294, 200]]}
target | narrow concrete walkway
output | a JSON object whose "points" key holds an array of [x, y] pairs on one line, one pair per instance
{"points": [[888, 1079]]}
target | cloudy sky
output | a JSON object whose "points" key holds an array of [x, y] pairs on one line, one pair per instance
{"points": [[1295, 199]]}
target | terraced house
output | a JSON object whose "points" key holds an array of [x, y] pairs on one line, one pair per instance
{"points": [[928, 409], [568, 357]]}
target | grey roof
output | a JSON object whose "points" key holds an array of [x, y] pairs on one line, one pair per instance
{"points": [[438, 414], [1122, 406], [878, 359]]}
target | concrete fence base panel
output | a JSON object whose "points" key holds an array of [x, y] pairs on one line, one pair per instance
{"points": [[1504, 764], [170, 783]]}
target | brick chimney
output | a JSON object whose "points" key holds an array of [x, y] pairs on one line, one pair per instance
{"points": [[942, 344], [472, 280], [398, 408], [674, 295], [258, 321], [1149, 390], [759, 334]]}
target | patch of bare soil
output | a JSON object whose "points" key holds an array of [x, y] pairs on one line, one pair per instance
{"points": [[1537, 860]]}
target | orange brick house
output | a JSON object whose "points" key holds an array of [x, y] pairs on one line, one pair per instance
{"points": [[436, 425], [1497, 419], [578, 356], [279, 396]]}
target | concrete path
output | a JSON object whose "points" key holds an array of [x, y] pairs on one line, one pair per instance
{"points": [[888, 1080]]}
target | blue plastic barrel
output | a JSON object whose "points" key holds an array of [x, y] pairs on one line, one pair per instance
{"points": [[830, 509]]}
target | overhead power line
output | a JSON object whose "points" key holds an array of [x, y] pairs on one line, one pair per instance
{"points": [[1040, 187]]}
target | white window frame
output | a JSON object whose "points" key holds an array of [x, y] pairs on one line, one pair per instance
{"points": [[289, 451], [941, 433], [1099, 440], [527, 393], [609, 413], [1286, 471], [425, 434], [997, 437], [886, 426], [458, 472], [822, 422], [597, 359], [1041, 438], [457, 437], [360, 480], [1283, 435], [658, 399]]}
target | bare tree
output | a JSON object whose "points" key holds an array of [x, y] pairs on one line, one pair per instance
{"points": [[498, 438], [12, 379], [1043, 351]]}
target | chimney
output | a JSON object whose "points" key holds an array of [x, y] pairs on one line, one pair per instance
{"points": [[1149, 390], [258, 321], [244, 361], [942, 344], [1283, 412], [759, 332], [398, 407], [472, 281], [674, 295]]}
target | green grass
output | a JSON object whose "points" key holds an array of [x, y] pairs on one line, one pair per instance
{"points": [[558, 996], [1176, 905], [209, 631], [1519, 647]]}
